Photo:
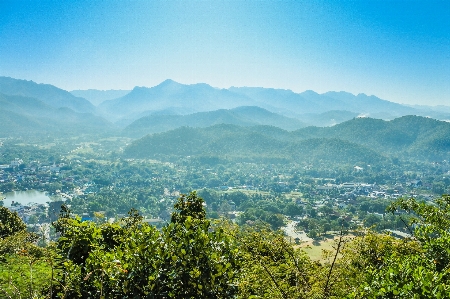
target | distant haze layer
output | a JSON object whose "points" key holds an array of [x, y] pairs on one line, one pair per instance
{"points": [[397, 50], [31, 108]]}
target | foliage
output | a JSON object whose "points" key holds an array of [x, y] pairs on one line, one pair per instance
{"points": [[273, 269], [413, 137], [189, 258], [410, 268], [248, 144], [189, 206], [129, 258], [10, 223], [25, 269]]}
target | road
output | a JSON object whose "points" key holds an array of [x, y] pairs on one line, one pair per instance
{"points": [[290, 231]]}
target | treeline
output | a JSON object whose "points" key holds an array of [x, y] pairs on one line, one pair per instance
{"points": [[192, 257]]}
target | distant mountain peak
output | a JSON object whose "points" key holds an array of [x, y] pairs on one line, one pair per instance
{"points": [[363, 95], [339, 92], [169, 83], [309, 91]]}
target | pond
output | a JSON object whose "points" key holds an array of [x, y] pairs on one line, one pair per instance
{"points": [[25, 197]]}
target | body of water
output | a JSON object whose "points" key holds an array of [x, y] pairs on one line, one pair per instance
{"points": [[25, 197]]}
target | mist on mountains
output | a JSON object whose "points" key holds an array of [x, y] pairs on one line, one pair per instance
{"points": [[33, 108]]}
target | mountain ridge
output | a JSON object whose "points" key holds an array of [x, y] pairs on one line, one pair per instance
{"points": [[367, 139], [243, 116], [96, 96], [173, 98], [25, 115], [201, 97], [48, 94]]}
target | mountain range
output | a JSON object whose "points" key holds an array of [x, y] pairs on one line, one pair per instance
{"points": [[170, 105], [188, 99], [28, 108], [48, 94]]}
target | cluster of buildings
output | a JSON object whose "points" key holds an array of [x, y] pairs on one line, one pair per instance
{"points": [[37, 176], [35, 171]]}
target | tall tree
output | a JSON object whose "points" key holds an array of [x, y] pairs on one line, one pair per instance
{"points": [[10, 223]]}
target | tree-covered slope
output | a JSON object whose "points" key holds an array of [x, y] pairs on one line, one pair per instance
{"points": [[14, 124], [252, 143], [241, 116], [408, 136], [354, 141]]}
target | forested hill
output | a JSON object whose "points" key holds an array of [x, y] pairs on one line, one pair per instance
{"points": [[247, 144], [242, 116], [408, 136], [361, 140]]}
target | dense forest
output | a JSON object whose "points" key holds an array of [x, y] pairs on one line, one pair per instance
{"points": [[358, 140], [194, 257]]}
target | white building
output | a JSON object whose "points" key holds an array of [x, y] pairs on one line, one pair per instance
{"points": [[16, 162]]}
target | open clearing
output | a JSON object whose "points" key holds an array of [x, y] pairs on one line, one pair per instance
{"points": [[314, 249]]}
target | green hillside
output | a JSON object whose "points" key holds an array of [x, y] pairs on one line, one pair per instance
{"points": [[247, 144], [408, 136], [361, 140], [241, 116]]}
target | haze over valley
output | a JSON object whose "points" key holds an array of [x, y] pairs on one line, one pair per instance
{"points": [[250, 123], [224, 149], [170, 105]]}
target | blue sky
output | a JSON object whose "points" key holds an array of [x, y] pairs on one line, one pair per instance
{"points": [[396, 50]]}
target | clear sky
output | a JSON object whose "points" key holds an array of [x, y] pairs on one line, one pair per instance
{"points": [[396, 50]]}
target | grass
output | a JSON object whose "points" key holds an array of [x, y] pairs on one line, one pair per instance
{"points": [[315, 249]]}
